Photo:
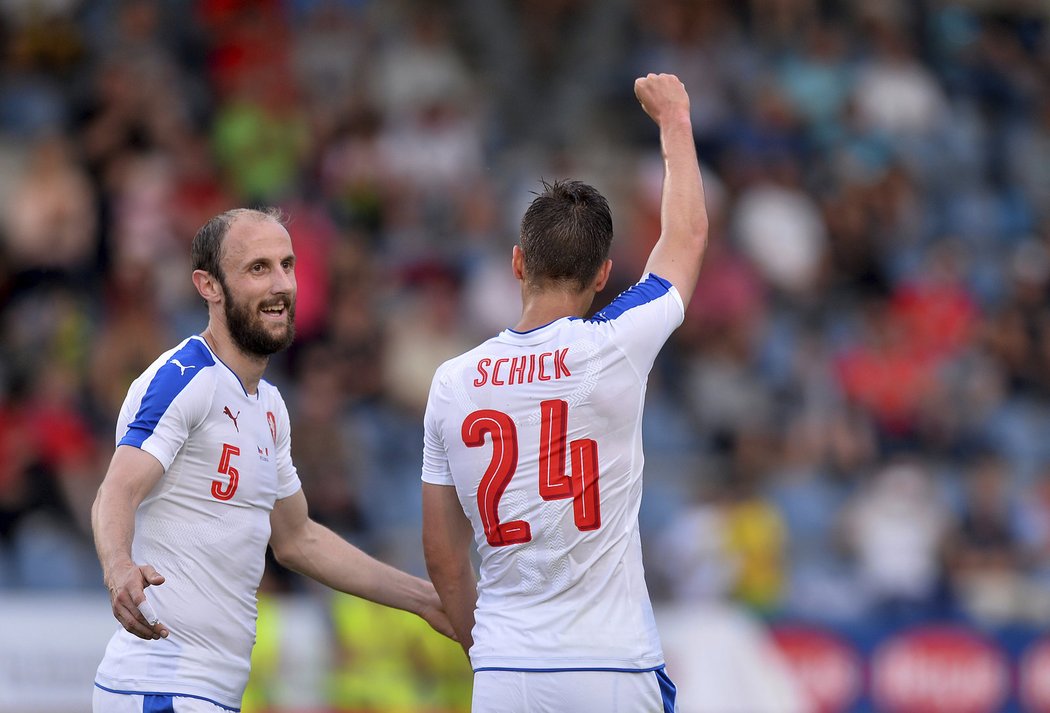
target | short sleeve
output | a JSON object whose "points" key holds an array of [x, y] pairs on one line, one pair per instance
{"points": [[641, 318], [436, 468], [158, 418]]}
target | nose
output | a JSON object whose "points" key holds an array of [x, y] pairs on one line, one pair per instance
{"points": [[284, 282]]}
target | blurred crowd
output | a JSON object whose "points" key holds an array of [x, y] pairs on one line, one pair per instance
{"points": [[852, 424]]}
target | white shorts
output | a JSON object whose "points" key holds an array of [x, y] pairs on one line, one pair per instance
{"points": [[577, 691], [105, 701]]}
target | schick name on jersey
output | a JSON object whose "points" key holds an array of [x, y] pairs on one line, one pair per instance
{"points": [[523, 369]]}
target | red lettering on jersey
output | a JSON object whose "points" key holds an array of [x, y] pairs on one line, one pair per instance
{"points": [[586, 505], [540, 367], [542, 376], [517, 371], [500, 429], [225, 491], [484, 377], [495, 372], [581, 485], [554, 484], [560, 369]]}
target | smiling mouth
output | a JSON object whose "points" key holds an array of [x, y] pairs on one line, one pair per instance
{"points": [[274, 312]]}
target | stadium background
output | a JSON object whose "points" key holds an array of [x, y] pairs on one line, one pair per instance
{"points": [[847, 440]]}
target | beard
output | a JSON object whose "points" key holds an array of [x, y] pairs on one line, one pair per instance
{"points": [[249, 332]]}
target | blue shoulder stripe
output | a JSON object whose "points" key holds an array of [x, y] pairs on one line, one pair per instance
{"points": [[649, 289], [169, 381]]}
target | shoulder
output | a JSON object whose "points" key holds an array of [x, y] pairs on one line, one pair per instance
{"points": [[651, 288], [184, 368], [177, 388], [192, 353]]}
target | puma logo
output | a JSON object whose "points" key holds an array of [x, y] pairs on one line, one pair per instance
{"points": [[226, 410], [182, 369]]}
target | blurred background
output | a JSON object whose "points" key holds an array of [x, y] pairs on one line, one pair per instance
{"points": [[848, 440]]}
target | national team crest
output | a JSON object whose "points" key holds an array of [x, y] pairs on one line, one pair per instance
{"points": [[272, 421]]}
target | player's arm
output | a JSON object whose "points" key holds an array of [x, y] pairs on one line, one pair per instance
{"points": [[447, 536], [677, 255], [131, 476], [305, 546]]}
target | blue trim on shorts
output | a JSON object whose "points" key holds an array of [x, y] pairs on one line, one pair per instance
{"points": [[578, 668], [158, 704], [668, 692], [148, 694]]}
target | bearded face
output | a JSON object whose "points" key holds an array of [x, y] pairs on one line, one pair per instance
{"points": [[255, 333]]}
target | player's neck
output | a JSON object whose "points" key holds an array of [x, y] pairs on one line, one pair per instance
{"points": [[543, 307], [249, 368]]}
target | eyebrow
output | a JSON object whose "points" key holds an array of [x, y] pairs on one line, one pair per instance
{"points": [[261, 258]]}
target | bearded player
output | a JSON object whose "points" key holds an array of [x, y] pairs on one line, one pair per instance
{"points": [[202, 480]]}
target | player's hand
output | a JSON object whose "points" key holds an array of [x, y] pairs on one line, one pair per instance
{"points": [[663, 96], [126, 594], [433, 613]]}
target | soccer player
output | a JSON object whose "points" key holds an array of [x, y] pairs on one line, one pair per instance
{"points": [[532, 445], [202, 480]]}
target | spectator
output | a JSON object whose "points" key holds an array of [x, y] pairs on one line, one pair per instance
{"points": [[897, 528], [754, 530], [49, 217], [984, 552]]}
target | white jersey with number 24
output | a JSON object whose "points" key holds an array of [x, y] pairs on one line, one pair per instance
{"points": [[540, 432]]}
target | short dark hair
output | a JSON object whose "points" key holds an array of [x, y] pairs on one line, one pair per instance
{"points": [[566, 233], [206, 250]]}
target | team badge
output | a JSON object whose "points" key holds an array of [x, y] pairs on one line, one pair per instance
{"points": [[272, 421]]}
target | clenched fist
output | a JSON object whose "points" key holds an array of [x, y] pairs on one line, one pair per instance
{"points": [[663, 96]]}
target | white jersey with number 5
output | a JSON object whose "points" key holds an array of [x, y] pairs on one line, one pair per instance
{"points": [[541, 434], [206, 524]]}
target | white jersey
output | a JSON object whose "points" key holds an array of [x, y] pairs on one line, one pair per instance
{"points": [[540, 433], [206, 524]]}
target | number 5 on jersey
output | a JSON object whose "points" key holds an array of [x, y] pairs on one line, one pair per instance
{"points": [[225, 491], [581, 484]]}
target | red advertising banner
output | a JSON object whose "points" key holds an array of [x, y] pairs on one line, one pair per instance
{"points": [[1033, 676], [939, 669], [827, 667]]}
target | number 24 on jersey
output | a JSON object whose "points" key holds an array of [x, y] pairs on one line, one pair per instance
{"points": [[580, 484]]}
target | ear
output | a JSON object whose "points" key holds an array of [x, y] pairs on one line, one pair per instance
{"points": [[517, 263], [603, 276], [208, 287]]}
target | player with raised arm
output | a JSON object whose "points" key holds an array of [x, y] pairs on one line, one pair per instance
{"points": [[202, 480], [532, 447]]}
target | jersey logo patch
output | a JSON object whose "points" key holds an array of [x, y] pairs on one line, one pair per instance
{"points": [[226, 410], [272, 422], [182, 369]]}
